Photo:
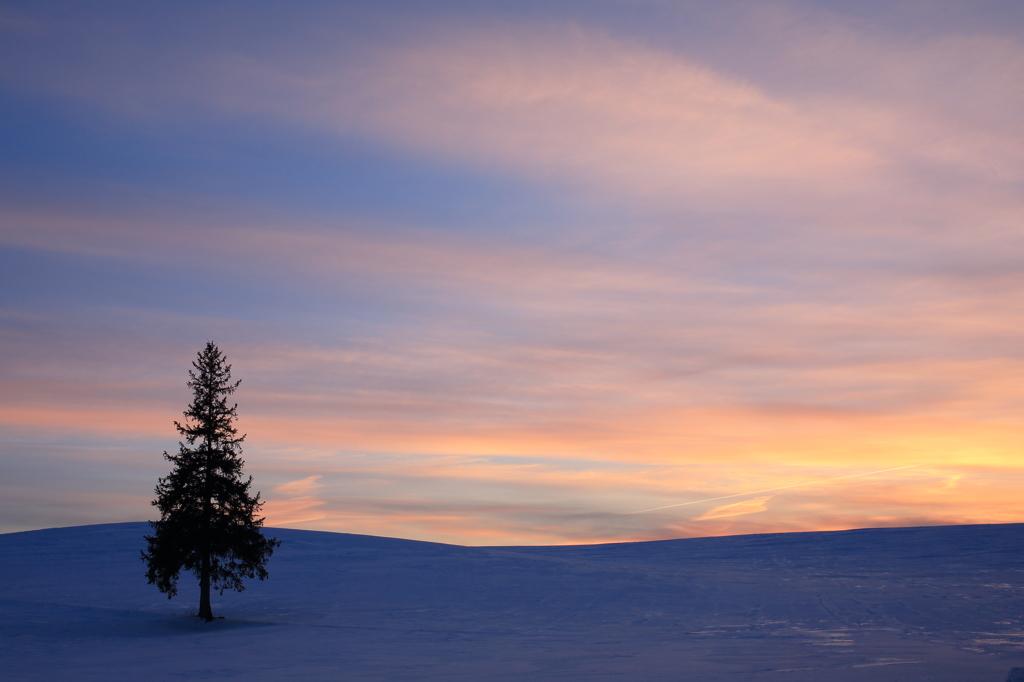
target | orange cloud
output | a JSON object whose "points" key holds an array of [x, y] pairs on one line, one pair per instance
{"points": [[290, 511], [752, 506], [302, 486]]}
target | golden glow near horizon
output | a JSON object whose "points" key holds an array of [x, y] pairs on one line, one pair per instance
{"points": [[508, 277]]}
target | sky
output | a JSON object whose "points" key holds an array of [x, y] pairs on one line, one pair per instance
{"points": [[500, 273]]}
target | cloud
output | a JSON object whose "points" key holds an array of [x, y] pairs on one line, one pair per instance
{"points": [[303, 486], [293, 502], [585, 104], [753, 506], [283, 512], [800, 254], [845, 111], [557, 102]]}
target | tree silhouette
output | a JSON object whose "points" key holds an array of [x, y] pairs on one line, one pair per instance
{"points": [[208, 520]]}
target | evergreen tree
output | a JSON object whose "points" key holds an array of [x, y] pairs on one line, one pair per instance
{"points": [[208, 520]]}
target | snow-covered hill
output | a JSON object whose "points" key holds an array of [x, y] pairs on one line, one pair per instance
{"points": [[885, 604]]}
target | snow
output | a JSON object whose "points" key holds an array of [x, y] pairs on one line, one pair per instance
{"points": [[941, 603]]}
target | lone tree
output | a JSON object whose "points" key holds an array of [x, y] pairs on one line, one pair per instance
{"points": [[208, 520]]}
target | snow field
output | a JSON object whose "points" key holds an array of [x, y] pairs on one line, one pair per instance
{"points": [[944, 604]]}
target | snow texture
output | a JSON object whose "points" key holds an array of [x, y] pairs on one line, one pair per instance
{"points": [[940, 603]]}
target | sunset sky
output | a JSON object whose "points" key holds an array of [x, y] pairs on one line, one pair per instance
{"points": [[508, 272]]}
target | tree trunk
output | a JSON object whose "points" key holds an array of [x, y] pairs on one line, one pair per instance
{"points": [[205, 612]]}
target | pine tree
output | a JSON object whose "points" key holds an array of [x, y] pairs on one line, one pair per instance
{"points": [[208, 520]]}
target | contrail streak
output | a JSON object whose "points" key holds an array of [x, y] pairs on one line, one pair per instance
{"points": [[771, 490]]}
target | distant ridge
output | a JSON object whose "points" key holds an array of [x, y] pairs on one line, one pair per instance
{"points": [[144, 526]]}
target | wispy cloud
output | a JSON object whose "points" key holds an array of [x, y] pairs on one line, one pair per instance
{"points": [[580, 103], [752, 506], [302, 486]]}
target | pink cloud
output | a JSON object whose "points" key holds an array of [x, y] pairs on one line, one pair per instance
{"points": [[574, 105]]}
